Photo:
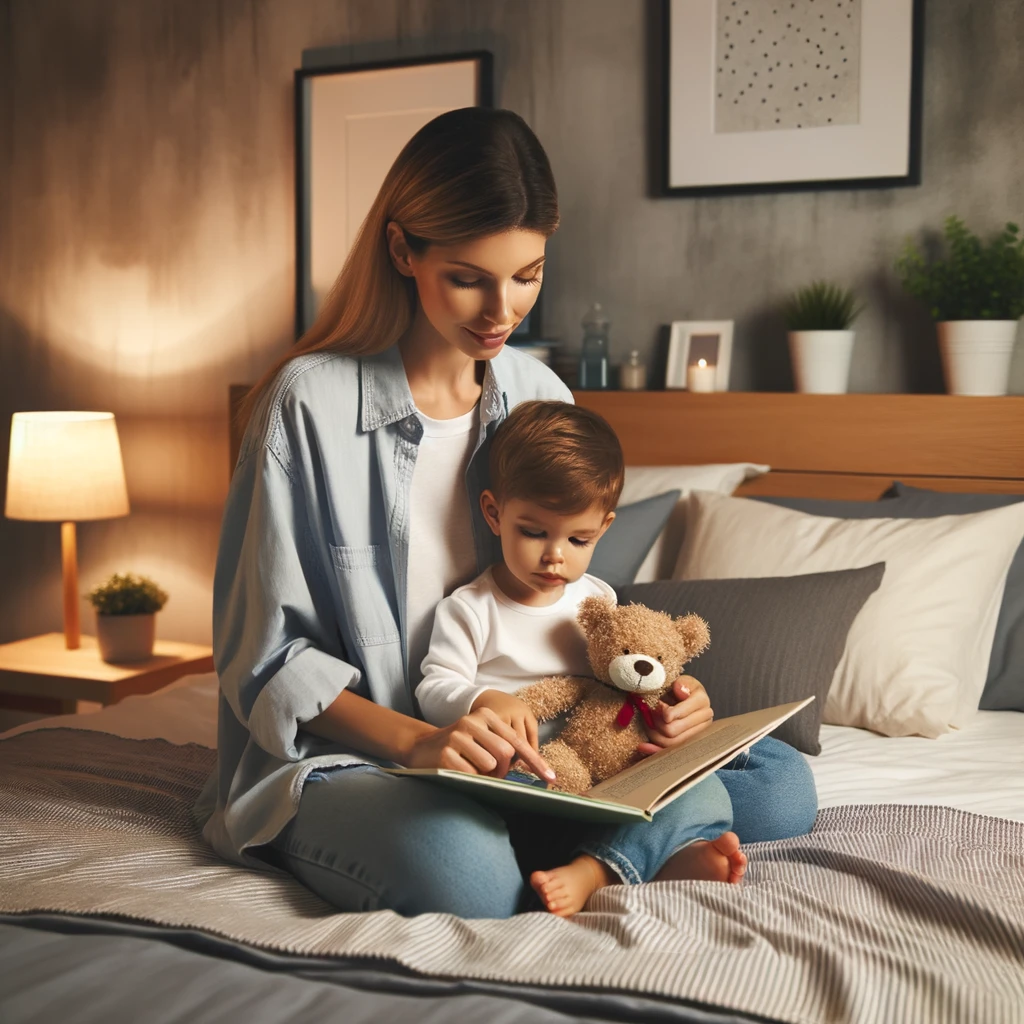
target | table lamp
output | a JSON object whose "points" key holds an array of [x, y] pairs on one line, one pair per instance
{"points": [[66, 467]]}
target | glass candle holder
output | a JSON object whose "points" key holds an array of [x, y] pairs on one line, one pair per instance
{"points": [[700, 376]]}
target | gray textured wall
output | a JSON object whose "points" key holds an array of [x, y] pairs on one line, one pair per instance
{"points": [[146, 225]]}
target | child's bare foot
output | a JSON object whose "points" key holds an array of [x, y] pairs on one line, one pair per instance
{"points": [[720, 860], [566, 889]]}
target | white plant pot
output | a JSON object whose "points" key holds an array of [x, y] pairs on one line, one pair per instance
{"points": [[126, 638], [821, 360], [976, 355]]}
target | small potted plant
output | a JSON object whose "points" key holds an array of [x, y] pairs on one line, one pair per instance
{"points": [[820, 340], [975, 294], [126, 607]]}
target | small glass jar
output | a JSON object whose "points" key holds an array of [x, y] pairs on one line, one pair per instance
{"points": [[593, 372], [633, 374]]}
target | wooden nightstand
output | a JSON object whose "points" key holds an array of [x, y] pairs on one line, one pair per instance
{"points": [[41, 674]]}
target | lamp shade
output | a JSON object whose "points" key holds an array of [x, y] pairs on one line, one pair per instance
{"points": [[65, 466]]}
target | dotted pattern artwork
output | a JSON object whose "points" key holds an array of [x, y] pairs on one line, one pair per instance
{"points": [[786, 64]]}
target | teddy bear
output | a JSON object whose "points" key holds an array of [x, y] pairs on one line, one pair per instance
{"points": [[636, 654]]}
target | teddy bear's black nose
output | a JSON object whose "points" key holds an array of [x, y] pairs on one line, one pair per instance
{"points": [[643, 668]]}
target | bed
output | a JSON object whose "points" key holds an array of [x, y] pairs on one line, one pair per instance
{"points": [[905, 903]]}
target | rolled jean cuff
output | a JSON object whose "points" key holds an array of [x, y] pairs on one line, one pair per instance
{"points": [[612, 858]]}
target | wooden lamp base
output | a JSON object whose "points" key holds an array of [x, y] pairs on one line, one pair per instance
{"points": [[69, 564]]}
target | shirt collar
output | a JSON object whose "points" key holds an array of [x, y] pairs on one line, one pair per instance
{"points": [[385, 396], [384, 391]]}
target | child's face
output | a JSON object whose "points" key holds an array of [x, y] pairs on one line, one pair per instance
{"points": [[544, 550]]}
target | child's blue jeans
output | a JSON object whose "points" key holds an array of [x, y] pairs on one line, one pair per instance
{"points": [[366, 840]]}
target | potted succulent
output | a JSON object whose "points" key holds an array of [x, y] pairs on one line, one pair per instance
{"points": [[975, 294], [820, 340], [126, 607]]}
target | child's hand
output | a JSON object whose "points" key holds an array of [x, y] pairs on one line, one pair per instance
{"points": [[686, 713], [512, 711]]}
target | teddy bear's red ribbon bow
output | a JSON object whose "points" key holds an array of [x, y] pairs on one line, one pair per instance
{"points": [[634, 702]]}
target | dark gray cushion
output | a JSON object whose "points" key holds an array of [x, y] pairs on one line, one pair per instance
{"points": [[622, 550], [773, 640], [1004, 684]]}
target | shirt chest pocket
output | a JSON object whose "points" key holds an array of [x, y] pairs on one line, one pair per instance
{"points": [[367, 593]]}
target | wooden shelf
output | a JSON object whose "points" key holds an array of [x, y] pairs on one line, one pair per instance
{"points": [[844, 446], [41, 667], [882, 435]]}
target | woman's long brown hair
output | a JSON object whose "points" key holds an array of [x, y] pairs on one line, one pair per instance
{"points": [[464, 175]]}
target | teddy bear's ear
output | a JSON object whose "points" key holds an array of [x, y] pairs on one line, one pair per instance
{"points": [[595, 615], [695, 633]]}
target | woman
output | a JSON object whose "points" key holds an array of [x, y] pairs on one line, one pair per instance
{"points": [[354, 508]]}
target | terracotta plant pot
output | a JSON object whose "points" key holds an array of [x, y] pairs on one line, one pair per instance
{"points": [[126, 638]]}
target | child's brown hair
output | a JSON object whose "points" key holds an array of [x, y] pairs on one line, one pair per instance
{"points": [[561, 456]]}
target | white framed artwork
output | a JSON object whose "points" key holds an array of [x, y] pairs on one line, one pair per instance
{"points": [[699, 355], [351, 123], [761, 96]]}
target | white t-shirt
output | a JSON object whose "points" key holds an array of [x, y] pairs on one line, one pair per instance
{"points": [[483, 640], [442, 553]]}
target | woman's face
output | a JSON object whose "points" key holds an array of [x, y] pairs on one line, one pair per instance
{"points": [[476, 293]]}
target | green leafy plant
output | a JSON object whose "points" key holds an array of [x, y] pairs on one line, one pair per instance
{"points": [[973, 281], [822, 306], [126, 594]]}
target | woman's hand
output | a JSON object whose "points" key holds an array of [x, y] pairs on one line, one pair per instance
{"points": [[686, 713], [512, 711], [479, 743]]}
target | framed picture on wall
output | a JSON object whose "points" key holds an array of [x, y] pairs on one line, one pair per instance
{"points": [[699, 355], [761, 96], [350, 124]]}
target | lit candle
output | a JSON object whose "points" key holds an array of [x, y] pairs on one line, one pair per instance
{"points": [[700, 376]]}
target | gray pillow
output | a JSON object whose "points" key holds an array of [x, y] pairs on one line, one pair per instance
{"points": [[622, 550], [773, 640], [1004, 684]]}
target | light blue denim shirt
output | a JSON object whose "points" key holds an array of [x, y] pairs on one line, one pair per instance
{"points": [[309, 595]]}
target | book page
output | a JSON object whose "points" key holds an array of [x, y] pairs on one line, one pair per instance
{"points": [[642, 784], [521, 796]]}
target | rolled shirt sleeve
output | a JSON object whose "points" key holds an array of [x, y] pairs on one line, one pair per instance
{"points": [[278, 664]]}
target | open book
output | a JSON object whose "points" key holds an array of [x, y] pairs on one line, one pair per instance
{"points": [[639, 791]]}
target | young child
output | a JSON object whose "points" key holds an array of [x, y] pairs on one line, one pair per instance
{"points": [[556, 475]]}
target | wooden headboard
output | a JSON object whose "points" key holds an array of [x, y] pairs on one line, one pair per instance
{"points": [[819, 446], [827, 446]]}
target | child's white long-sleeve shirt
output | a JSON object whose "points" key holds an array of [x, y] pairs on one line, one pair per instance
{"points": [[483, 640]]}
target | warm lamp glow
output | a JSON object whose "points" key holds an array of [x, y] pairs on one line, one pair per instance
{"points": [[65, 466]]}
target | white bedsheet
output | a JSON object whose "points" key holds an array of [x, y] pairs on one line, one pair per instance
{"points": [[980, 768], [183, 712]]}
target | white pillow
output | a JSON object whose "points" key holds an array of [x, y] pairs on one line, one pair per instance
{"points": [[917, 655], [647, 481]]}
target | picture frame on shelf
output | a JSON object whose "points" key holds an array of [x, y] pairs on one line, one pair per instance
{"points": [[371, 109], [800, 96], [689, 342]]}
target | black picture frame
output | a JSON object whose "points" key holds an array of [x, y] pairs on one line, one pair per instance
{"points": [[302, 76], [659, 120], [530, 328]]}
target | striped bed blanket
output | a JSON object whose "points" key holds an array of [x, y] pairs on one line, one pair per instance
{"points": [[885, 913]]}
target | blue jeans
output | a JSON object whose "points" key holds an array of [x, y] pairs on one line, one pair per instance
{"points": [[366, 840]]}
